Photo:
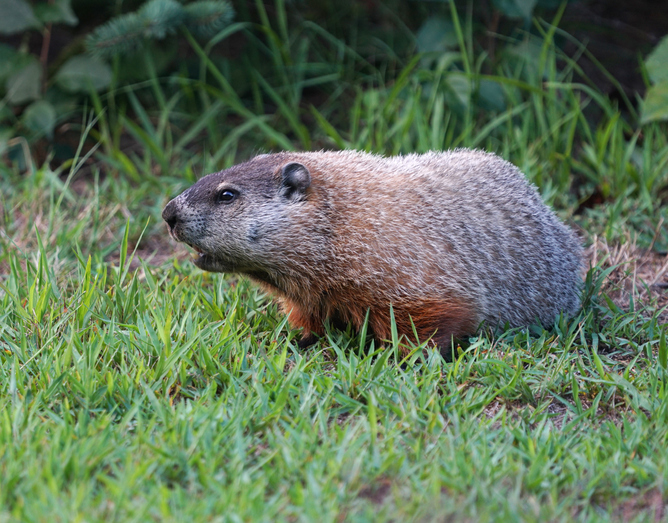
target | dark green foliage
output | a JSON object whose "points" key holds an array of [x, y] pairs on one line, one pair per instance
{"points": [[23, 77], [155, 20], [655, 106], [48, 101]]}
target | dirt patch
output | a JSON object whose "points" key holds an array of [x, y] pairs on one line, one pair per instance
{"points": [[651, 505], [638, 273], [559, 413], [378, 491]]}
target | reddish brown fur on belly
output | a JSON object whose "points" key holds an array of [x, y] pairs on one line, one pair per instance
{"points": [[310, 321], [436, 319]]}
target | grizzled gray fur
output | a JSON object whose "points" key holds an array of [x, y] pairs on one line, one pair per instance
{"points": [[449, 239]]}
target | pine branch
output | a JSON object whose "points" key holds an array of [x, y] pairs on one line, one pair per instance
{"points": [[162, 17], [155, 20], [118, 36], [207, 17]]}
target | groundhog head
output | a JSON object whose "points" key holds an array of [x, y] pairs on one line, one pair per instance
{"points": [[232, 218]]}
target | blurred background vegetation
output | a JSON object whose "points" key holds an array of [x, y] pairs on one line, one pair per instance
{"points": [[575, 93]]}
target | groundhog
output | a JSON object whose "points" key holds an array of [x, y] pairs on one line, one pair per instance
{"points": [[447, 241]]}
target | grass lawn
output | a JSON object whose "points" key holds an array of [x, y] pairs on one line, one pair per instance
{"points": [[134, 387]]}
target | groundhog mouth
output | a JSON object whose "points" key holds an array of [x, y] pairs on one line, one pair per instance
{"points": [[198, 252], [200, 259], [204, 260]]}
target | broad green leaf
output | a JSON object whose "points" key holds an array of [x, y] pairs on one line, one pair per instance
{"points": [[80, 73], [59, 12], [528, 51], [6, 133], [40, 118], [515, 8], [25, 84], [655, 106], [16, 16], [657, 62], [436, 35], [460, 86], [491, 96], [64, 103], [9, 61]]}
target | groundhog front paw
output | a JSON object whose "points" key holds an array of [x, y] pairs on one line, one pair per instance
{"points": [[307, 340]]}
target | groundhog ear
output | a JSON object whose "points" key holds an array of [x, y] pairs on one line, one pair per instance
{"points": [[296, 179]]}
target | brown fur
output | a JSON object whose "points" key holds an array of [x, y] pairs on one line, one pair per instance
{"points": [[435, 320], [446, 240]]}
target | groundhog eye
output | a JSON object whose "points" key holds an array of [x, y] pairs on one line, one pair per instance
{"points": [[226, 196]]}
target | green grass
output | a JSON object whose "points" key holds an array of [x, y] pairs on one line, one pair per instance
{"points": [[163, 393], [134, 387]]}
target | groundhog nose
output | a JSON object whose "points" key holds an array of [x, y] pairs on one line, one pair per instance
{"points": [[169, 215]]}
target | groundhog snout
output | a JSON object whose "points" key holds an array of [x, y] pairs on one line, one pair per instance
{"points": [[171, 216]]}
